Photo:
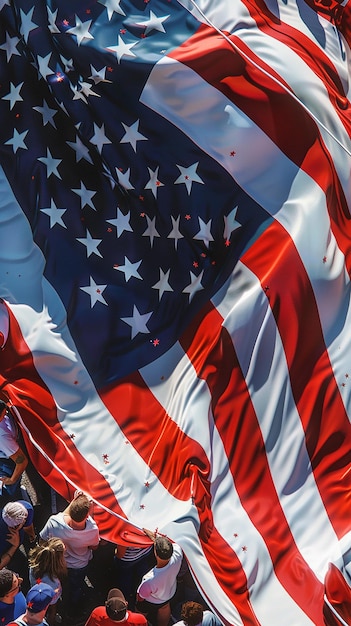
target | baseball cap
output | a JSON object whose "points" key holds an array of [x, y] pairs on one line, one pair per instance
{"points": [[14, 513], [116, 605], [39, 597]]}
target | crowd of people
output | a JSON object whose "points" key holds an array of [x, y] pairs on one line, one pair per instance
{"points": [[56, 569]]}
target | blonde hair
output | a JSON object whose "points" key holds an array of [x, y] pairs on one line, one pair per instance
{"points": [[48, 558]]}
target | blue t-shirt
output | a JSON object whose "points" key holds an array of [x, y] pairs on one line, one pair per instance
{"points": [[4, 545], [9, 612]]}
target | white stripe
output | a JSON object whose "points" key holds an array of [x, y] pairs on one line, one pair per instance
{"points": [[261, 356]]}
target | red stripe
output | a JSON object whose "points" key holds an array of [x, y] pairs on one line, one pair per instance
{"points": [[316, 393], [37, 408], [269, 106], [209, 347], [177, 460]]}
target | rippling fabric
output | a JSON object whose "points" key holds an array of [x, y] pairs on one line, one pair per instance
{"points": [[175, 280]]}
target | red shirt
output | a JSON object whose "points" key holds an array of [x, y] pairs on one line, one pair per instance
{"points": [[99, 616]]}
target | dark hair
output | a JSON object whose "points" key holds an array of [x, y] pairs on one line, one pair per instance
{"points": [[79, 508], [3, 406], [163, 548], [192, 613], [6, 580]]}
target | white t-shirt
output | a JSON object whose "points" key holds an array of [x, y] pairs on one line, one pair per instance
{"points": [[8, 438], [77, 542], [160, 583]]}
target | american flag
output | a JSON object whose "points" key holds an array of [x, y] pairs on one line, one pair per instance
{"points": [[174, 271]]}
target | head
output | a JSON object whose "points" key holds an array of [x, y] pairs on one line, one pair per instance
{"points": [[48, 558], [3, 409], [192, 613], [116, 605], [163, 548], [38, 599], [14, 514], [10, 585], [79, 508]]}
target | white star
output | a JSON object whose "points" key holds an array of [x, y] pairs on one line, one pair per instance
{"points": [[99, 138], [121, 222], [78, 93], [68, 64], [175, 232], [91, 244], [194, 286], [86, 89], [95, 292], [55, 215], [151, 230], [51, 164], [17, 140], [188, 176], [44, 68], [153, 23], [137, 322], [129, 269], [52, 15], [98, 76], [26, 23], [132, 135], [14, 95], [122, 49], [163, 285], [4, 3], [230, 224], [112, 7], [86, 196], [153, 183], [204, 233], [81, 30], [10, 46], [80, 149], [123, 178], [47, 113]]}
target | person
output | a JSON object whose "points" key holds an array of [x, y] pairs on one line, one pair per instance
{"points": [[79, 532], [115, 610], [47, 564], [159, 585], [12, 600], [37, 601], [193, 614], [16, 521], [13, 460], [130, 565]]}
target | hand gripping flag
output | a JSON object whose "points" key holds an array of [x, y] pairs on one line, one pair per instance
{"points": [[175, 280]]}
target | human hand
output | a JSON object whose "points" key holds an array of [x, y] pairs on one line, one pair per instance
{"points": [[13, 537], [6, 480]]}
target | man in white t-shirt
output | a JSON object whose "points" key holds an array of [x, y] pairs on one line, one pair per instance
{"points": [[159, 585], [13, 461], [80, 534]]}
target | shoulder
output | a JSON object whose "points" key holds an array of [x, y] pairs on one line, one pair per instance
{"points": [[177, 551], [26, 504], [91, 524], [136, 618]]}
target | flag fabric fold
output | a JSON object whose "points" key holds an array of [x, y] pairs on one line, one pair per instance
{"points": [[175, 280]]}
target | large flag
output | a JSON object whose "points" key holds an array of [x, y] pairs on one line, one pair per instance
{"points": [[175, 319]]}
